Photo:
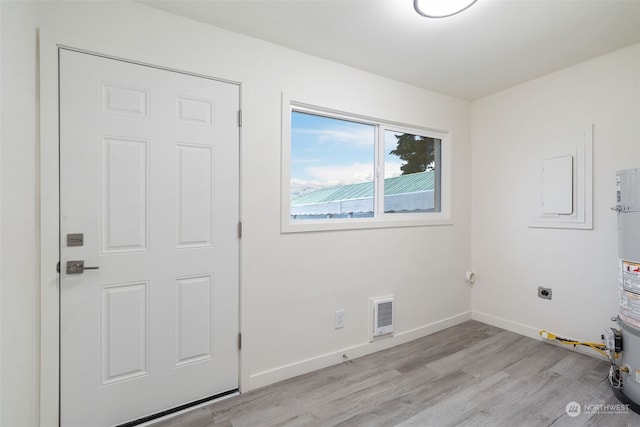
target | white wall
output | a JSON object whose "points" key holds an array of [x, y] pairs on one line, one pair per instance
{"points": [[290, 284], [19, 244], [0, 210], [510, 259]]}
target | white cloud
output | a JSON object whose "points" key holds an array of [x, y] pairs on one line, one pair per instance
{"points": [[337, 175], [361, 137], [392, 169], [300, 186], [333, 175]]}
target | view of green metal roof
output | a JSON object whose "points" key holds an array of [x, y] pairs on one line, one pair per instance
{"points": [[415, 182]]}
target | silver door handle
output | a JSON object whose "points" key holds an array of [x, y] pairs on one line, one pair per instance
{"points": [[77, 267]]}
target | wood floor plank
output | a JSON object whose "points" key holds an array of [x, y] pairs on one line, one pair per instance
{"points": [[406, 400], [461, 405], [469, 375]]}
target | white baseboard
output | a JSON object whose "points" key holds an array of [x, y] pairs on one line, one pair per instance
{"points": [[280, 373], [518, 328], [284, 372], [529, 331]]}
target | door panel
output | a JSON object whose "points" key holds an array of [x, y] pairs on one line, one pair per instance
{"points": [[125, 194], [194, 194], [149, 164], [124, 329]]}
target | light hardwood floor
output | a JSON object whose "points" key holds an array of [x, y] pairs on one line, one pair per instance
{"points": [[471, 374]]}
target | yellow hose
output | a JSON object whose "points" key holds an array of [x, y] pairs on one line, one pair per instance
{"points": [[599, 347]]}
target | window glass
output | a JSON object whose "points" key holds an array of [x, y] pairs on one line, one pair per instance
{"points": [[343, 171], [332, 168], [411, 173]]}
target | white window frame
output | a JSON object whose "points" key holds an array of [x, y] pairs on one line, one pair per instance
{"points": [[380, 219]]}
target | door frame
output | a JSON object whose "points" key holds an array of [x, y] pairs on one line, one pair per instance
{"points": [[49, 43]]}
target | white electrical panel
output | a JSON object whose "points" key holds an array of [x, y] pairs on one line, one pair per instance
{"points": [[557, 185]]}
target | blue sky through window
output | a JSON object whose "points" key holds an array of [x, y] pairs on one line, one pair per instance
{"points": [[329, 152]]}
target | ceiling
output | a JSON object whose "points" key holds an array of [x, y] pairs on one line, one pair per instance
{"points": [[492, 45]]}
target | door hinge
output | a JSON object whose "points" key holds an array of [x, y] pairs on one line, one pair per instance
{"points": [[58, 267], [239, 118], [240, 230], [239, 341]]}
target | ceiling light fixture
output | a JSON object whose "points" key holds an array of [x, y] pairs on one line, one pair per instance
{"points": [[441, 8]]}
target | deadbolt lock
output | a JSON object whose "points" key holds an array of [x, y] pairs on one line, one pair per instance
{"points": [[75, 239]]}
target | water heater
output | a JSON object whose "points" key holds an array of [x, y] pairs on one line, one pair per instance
{"points": [[625, 373]]}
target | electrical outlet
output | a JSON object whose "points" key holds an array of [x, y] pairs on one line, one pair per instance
{"points": [[338, 321], [544, 293]]}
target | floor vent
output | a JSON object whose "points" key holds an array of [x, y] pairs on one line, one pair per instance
{"points": [[382, 316]]}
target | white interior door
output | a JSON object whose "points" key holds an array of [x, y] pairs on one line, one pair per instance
{"points": [[149, 193]]}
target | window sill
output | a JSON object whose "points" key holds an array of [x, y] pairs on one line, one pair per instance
{"points": [[309, 226]]}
